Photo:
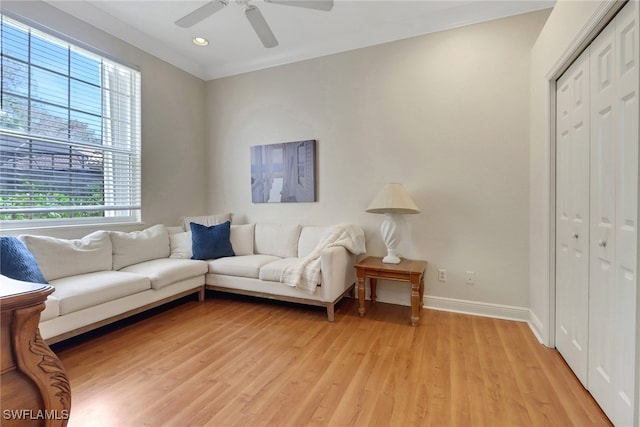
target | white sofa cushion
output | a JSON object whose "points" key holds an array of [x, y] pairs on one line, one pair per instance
{"points": [[207, 220], [51, 308], [309, 237], [181, 245], [87, 290], [166, 271], [279, 240], [273, 270], [139, 246], [242, 238], [175, 229], [64, 257], [243, 266]]}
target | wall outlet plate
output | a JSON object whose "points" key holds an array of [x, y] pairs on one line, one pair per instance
{"points": [[471, 277]]}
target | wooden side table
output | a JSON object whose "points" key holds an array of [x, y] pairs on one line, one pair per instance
{"points": [[35, 388], [411, 271]]}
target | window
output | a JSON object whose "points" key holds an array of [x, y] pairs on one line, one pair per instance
{"points": [[69, 133]]}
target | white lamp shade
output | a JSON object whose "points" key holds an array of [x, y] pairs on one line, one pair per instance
{"points": [[393, 198]]}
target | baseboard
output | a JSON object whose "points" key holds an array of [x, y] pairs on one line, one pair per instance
{"points": [[536, 327], [497, 311]]}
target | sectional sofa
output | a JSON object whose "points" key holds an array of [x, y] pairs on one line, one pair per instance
{"points": [[110, 275]]}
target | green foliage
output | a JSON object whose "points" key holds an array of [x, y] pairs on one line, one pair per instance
{"points": [[40, 198]]}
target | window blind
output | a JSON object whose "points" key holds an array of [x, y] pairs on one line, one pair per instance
{"points": [[70, 143]]}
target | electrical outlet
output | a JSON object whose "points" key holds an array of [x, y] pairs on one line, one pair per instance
{"points": [[471, 277], [442, 275]]}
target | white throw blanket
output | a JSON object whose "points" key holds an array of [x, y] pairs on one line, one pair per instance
{"points": [[305, 274]]}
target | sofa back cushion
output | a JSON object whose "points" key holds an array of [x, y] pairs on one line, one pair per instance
{"points": [[69, 257], [242, 238], [175, 229], [207, 220], [277, 239], [139, 246], [309, 237], [181, 245]]}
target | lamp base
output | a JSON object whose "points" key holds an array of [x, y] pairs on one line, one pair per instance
{"points": [[391, 259], [391, 237]]}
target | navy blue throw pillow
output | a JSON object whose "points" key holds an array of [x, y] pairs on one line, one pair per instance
{"points": [[17, 262], [211, 242]]}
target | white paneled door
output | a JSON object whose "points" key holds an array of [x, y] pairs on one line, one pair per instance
{"points": [[596, 308], [602, 301], [572, 217], [625, 312]]}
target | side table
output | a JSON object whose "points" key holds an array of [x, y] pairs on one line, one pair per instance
{"points": [[411, 271], [35, 388]]}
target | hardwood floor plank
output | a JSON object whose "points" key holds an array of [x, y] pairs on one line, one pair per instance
{"points": [[462, 343], [235, 361], [528, 374], [439, 397]]}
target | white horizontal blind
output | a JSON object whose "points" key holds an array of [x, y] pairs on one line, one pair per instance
{"points": [[69, 132]]}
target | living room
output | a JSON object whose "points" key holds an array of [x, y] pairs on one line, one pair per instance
{"points": [[459, 117], [195, 146]]}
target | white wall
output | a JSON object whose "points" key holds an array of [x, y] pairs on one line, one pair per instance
{"points": [[445, 114], [557, 40], [173, 168]]}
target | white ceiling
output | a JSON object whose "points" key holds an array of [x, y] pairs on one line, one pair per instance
{"points": [[303, 33]]}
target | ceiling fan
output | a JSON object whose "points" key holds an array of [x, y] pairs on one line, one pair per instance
{"points": [[253, 14]]}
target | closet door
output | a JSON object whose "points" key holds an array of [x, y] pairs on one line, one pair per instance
{"points": [[628, 76], [604, 153], [572, 216], [614, 201]]}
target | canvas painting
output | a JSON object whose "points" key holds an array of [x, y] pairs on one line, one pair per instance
{"points": [[284, 172]]}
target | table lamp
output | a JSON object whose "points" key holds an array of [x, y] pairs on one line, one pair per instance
{"points": [[391, 201]]}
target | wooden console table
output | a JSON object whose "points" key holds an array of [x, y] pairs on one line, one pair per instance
{"points": [[35, 389], [407, 271]]}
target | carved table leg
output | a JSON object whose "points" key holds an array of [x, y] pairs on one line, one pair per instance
{"points": [[36, 360], [373, 284], [415, 297], [361, 292], [421, 292], [35, 389]]}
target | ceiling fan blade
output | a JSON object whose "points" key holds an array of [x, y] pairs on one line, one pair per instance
{"points": [[325, 5], [201, 13], [260, 26]]}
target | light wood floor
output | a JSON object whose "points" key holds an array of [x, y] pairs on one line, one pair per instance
{"points": [[230, 361]]}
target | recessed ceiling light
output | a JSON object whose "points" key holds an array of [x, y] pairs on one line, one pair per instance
{"points": [[200, 41]]}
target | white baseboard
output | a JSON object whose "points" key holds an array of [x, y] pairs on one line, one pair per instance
{"points": [[497, 311], [536, 327]]}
